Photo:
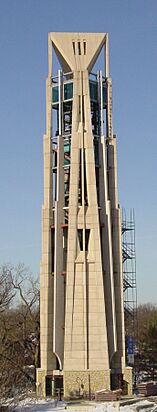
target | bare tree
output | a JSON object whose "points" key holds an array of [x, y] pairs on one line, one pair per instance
{"points": [[19, 339], [146, 353], [7, 291]]}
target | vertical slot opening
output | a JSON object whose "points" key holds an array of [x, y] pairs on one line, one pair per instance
{"points": [[87, 233], [85, 181], [84, 47], [54, 185], [79, 108], [97, 184], [79, 47], [83, 110], [65, 246], [80, 238], [80, 183], [53, 249], [73, 43], [54, 157]]}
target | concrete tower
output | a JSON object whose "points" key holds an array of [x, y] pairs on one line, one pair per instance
{"points": [[81, 289]]}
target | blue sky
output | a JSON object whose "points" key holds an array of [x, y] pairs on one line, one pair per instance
{"points": [[132, 28]]}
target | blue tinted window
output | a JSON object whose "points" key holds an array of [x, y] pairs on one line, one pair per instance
{"points": [[68, 91], [104, 95], [55, 94], [93, 86], [66, 154]]}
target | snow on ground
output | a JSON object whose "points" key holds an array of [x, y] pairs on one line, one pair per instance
{"points": [[32, 405]]}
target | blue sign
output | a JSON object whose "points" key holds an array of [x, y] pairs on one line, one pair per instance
{"points": [[130, 345]]}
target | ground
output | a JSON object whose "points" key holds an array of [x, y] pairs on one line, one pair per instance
{"points": [[32, 405]]}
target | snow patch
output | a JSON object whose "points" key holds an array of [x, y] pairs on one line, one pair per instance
{"points": [[49, 405]]}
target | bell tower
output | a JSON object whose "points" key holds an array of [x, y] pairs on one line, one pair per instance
{"points": [[81, 283]]}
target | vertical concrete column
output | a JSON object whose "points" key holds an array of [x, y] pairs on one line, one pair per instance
{"points": [[48, 360], [74, 314], [117, 253], [107, 253], [58, 321]]}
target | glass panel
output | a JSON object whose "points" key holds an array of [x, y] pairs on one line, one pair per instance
{"points": [[96, 153], [93, 86], [68, 91], [66, 147], [55, 94], [66, 154], [104, 95]]}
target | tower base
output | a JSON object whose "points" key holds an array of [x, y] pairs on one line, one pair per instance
{"points": [[41, 383], [85, 382], [49, 383], [127, 380]]}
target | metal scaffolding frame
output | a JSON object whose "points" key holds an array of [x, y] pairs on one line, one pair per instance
{"points": [[129, 273]]}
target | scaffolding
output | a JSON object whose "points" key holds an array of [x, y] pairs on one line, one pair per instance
{"points": [[129, 278]]}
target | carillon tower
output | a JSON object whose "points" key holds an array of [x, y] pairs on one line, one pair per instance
{"points": [[81, 287]]}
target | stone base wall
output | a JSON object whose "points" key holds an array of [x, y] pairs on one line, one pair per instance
{"points": [[41, 383], [85, 382], [127, 377]]}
